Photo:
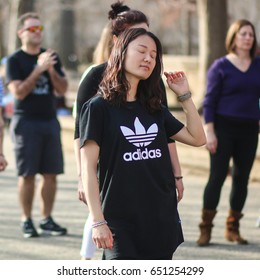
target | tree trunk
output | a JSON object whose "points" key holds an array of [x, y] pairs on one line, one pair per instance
{"points": [[67, 41], [1, 33], [25, 6], [17, 8], [212, 16], [12, 37]]}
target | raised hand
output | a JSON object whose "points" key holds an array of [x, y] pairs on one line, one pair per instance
{"points": [[177, 82]]}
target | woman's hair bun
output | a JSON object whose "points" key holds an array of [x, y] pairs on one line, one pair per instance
{"points": [[117, 8]]}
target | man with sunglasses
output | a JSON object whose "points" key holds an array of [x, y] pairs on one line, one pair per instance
{"points": [[34, 76]]}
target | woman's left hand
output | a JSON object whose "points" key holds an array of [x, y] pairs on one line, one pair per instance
{"points": [[177, 82], [102, 237]]}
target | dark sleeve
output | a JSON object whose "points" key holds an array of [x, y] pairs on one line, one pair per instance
{"points": [[91, 121], [87, 89], [171, 124], [13, 71], [213, 91], [58, 66]]}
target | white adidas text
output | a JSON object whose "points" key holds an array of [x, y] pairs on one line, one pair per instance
{"points": [[142, 155]]}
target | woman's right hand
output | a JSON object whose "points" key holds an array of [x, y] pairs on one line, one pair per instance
{"points": [[102, 237], [212, 142], [81, 192]]}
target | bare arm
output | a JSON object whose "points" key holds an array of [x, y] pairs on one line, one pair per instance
{"points": [[89, 154], [46, 60], [3, 162], [176, 168], [81, 193], [60, 83], [21, 89], [193, 133]]}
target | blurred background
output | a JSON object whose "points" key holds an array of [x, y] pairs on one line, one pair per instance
{"points": [[192, 32]]}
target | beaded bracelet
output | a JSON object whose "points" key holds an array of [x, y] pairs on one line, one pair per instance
{"points": [[97, 224], [184, 97]]}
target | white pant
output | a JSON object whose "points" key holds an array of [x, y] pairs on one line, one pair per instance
{"points": [[88, 247]]}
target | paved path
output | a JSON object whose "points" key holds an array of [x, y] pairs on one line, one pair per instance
{"points": [[71, 213]]}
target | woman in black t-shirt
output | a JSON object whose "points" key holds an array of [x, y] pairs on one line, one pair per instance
{"points": [[125, 128], [121, 18]]}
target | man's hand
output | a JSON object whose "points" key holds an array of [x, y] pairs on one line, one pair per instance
{"points": [[46, 60]]}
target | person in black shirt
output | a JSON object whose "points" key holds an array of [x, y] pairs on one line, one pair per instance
{"points": [[124, 133], [34, 76], [121, 18]]}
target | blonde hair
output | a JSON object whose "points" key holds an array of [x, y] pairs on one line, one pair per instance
{"points": [[104, 45]]}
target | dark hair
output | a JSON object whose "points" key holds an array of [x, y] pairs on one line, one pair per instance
{"points": [[231, 34], [24, 17], [123, 17], [114, 85], [117, 8]]}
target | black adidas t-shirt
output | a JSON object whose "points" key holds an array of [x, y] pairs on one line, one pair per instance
{"points": [[135, 174], [40, 103]]}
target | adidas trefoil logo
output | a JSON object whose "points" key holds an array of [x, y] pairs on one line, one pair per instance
{"points": [[141, 138]]}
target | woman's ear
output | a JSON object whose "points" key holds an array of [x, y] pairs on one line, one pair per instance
{"points": [[114, 38]]}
